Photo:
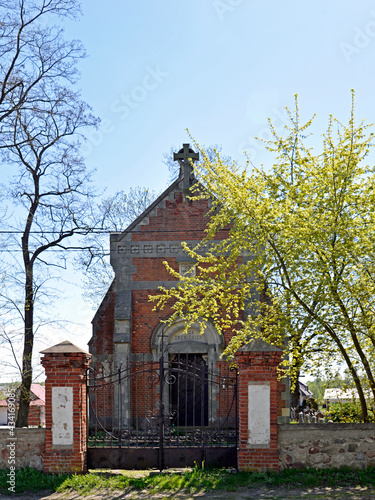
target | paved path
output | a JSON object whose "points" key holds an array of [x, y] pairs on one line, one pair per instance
{"points": [[358, 493]]}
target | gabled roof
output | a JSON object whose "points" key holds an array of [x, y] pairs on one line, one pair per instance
{"points": [[304, 390], [174, 186], [39, 391], [149, 209]]}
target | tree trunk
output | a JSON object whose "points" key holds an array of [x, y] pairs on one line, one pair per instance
{"points": [[354, 374], [23, 410]]}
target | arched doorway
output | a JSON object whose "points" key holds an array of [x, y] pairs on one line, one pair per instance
{"points": [[167, 339], [189, 356]]}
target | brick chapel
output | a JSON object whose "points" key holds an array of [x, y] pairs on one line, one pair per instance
{"points": [[125, 324], [163, 372]]}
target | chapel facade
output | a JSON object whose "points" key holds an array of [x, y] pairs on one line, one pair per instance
{"points": [[126, 329], [125, 324]]}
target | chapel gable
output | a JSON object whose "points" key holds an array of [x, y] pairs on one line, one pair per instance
{"points": [[126, 317]]}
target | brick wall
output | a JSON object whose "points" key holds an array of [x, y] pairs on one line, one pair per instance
{"points": [[35, 416], [103, 323], [144, 320], [153, 269], [177, 220]]}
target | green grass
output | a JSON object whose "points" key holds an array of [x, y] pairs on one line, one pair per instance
{"points": [[191, 480], [32, 480]]}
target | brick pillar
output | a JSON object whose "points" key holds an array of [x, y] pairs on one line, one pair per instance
{"points": [[260, 404], [66, 427]]}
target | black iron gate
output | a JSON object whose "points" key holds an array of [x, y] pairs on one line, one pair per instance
{"points": [[171, 413]]}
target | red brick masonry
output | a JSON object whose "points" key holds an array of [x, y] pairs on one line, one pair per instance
{"points": [[258, 366], [67, 369]]}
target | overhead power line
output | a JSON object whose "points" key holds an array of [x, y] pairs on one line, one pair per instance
{"points": [[102, 231]]}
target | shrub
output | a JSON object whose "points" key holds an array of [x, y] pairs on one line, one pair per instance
{"points": [[349, 412]]}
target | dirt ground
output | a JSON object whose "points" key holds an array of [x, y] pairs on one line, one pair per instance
{"points": [[358, 493], [244, 493]]}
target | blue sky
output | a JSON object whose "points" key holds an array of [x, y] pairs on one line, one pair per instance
{"points": [[217, 67]]}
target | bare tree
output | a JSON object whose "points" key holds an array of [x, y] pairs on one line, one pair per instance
{"points": [[115, 212], [33, 56], [41, 117]]}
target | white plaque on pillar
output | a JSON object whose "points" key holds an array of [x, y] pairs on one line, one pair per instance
{"points": [[62, 416], [259, 414]]}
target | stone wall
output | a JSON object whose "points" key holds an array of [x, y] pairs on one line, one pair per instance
{"points": [[28, 445], [326, 445]]}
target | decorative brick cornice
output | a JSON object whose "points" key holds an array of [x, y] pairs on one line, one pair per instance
{"points": [[66, 360]]}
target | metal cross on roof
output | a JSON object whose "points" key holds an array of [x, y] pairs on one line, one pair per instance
{"points": [[183, 157]]}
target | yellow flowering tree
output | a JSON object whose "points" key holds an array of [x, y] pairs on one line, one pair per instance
{"points": [[297, 268]]}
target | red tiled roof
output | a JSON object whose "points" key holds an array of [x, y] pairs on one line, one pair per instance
{"points": [[39, 391]]}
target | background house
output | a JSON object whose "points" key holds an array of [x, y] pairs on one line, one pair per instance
{"points": [[37, 407], [304, 393]]}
